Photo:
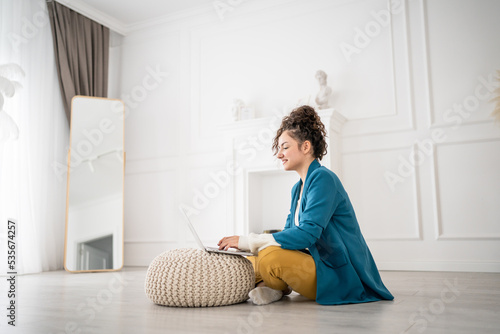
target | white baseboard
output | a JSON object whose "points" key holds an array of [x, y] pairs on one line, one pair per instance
{"points": [[489, 267]]}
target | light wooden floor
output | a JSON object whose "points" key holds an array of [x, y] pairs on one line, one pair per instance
{"points": [[426, 302]]}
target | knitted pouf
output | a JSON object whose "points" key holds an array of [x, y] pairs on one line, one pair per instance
{"points": [[195, 278]]}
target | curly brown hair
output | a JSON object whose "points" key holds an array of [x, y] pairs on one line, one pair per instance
{"points": [[303, 124]]}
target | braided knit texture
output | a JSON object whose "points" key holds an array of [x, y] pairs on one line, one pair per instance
{"points": [[190, 277]]}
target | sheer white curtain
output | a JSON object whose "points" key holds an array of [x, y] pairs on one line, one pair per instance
{"points": [[32, 190]]}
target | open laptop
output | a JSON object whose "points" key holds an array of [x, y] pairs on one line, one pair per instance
{"points": [[210, 249]]}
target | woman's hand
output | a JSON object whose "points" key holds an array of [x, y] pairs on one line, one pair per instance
{"points": [[229, 242]]}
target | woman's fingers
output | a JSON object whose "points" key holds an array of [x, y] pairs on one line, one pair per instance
{"points": [[226, 244], [222, 243], [229, 242]]}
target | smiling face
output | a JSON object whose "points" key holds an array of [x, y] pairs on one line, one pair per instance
{"points": [[292, 155]]}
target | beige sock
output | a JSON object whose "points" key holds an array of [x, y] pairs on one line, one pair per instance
{"points": [[264, 295]]}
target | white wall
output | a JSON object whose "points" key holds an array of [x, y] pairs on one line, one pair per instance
{"points": [[397, 86]]}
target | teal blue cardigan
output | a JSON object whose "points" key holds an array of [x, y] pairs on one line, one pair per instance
{"points": [[345, 270]]}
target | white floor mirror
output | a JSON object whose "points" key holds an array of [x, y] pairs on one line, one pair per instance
{"points": [[94, 202]]}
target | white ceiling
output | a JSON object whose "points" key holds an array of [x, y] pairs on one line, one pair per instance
{"points": [[121, 15], [134, 11]]}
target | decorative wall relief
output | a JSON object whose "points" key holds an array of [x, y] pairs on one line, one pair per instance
{"points": [[240, 111]]}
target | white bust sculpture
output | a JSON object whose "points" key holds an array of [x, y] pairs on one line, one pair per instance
{"points": [[325, 92]]}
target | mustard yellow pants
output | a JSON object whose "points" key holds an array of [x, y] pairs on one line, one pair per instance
{"points": [[279, 268]]}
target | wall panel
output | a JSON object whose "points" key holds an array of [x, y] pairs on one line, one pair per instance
{"points": [[463, 57], [383, 212], [468, 187], [150, 207]]}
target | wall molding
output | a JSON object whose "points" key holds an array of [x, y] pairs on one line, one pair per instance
{"points": [[418, 224], [96, 15], [126, 29], [149, 241], [450, 266], [439, 234], [428, 81], [399, 121], [433, 123], [151, 170]]}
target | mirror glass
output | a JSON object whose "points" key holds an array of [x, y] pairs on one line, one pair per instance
{"points": [[96, 167]]}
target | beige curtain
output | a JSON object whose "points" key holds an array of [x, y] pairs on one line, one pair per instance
{"points": [[81, 48]]}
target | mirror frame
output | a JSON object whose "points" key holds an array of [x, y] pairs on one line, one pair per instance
{"points": [[68, 184]]}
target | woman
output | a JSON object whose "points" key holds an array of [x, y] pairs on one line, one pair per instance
{"points": [[321, 252]]}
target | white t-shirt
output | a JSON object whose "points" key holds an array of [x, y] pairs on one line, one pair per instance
{"points": [[298, 207]]}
